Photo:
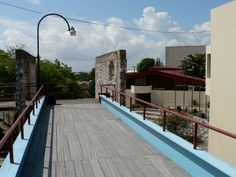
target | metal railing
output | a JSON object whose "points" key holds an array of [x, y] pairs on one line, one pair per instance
{"points": [[25, 115], [119, 96]]}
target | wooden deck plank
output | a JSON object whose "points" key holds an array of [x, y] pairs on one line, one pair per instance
{"points": [[85, 140]]}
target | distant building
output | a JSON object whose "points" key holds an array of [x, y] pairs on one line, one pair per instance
{"points": [[221, 81], [166, 86], [175, 54]]}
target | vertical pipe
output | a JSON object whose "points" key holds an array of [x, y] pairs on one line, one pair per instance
{"points": [[130, 104], [195, 136], [11, 149], [164, 120]]}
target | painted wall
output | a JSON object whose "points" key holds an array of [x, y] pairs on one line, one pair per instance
{"points": [[175, 54], [111, 68], [223, 81]]}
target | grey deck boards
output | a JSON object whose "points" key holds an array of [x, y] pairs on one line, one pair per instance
{"points": [[85, 140]]}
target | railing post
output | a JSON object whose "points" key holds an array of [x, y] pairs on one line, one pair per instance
{"points": [[11, 155], [100, 89], [22, 127], [33, 109], [112, 95], [130, 104], [164, 121], [120, 99], [195, 136], [106, 92], [36, 103], [115, 95], [144, 111], [28, 116]]}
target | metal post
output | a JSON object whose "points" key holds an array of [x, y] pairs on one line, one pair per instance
{"points": [[164, 121], [11, 149], [22, 127], [199, 101], [33, 109], [38, 57], [144, 111], [195, 136], [106, 92], [130, 104]]}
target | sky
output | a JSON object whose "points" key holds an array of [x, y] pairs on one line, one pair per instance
{"points": [[163, 23]]}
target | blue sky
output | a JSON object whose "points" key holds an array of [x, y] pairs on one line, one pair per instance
{"points": [[19, 27]]}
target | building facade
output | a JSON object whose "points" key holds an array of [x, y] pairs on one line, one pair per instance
{"points": [[175, 54], [221, 81]]}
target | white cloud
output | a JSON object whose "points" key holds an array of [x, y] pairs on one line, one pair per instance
{"points": [[94, 40], [36, 2]]}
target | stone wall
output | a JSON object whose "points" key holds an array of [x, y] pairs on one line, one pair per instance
{"points": [[110, 68], [25, 78]]}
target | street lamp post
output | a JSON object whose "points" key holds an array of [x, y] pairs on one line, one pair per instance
{"points": [[70, 29]]}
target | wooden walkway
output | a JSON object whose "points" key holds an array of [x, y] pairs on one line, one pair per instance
{"points": [[85, 140]]}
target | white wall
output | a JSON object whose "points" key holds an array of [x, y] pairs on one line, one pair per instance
{"points": [[166, 98], [223, 81]]}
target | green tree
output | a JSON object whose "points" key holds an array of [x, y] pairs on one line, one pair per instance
{"points": [[58, 77], [194, 65], [145, 63], [92, 83], [158, 62], [7, 68]]}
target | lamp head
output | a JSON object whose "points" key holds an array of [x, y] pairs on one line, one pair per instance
{"points": [[72, 31]]}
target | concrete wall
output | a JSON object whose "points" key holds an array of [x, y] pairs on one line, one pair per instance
{"points": [[223, 81], [166, 98], [175, 54], [110, 68]]}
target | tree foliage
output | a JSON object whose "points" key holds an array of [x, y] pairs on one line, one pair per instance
{"points": [[194, 65], [145, 63], [7, 68], [58, 77]]}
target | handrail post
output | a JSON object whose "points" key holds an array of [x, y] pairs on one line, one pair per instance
{"points": [[115, 95], [112, 95], [11, 155], [33, 109], [36, 103], [164, 121], [28, 116], [106, 92], [144, 111], [100, 89], [22, 127], [130, 104], [195, 136]]}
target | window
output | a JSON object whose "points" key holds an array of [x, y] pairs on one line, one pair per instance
{"points": [[208, 65]]}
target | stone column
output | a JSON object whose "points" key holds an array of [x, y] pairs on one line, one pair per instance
{"points": [[20, 82]]}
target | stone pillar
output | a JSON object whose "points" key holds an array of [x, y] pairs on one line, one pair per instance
{"points": [[20, 82], [111, 68]]}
